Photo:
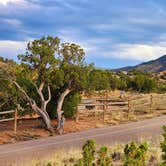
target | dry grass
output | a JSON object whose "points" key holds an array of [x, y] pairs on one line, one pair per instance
{"points": [[60, 158], [142, 106], [71, 156]]}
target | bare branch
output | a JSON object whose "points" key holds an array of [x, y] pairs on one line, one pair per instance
{"points": [[39, 91], [3, 104], [23, 91], [41, 87], [49, 95]]}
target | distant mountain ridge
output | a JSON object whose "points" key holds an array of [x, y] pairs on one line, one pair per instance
{"points": [[157, 65]]}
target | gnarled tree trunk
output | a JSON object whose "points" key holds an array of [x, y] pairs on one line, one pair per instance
{"points": [[44, 116], [40, 111], [60, 104]]}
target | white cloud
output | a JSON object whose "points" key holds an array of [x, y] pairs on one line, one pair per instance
{"points": [[95, 47], [12, 7], [90, 45], [104, 26], [105, 47], [6, 2], [140, 52], [13, 22], [10, 49], [73, 35], [159, 22]]}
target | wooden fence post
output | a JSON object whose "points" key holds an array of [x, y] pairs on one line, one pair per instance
{"points": [[151, 103], [77, 115], [15, 121], [129, 107], [104, 112]]}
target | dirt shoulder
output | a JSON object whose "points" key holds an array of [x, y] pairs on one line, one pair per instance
{"points": [[29, 129]]}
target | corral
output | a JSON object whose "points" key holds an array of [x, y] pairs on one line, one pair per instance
{"points": [[106, 109]]}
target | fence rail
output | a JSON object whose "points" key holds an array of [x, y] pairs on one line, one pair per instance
{"points": [[144, 103], [10, 119]]}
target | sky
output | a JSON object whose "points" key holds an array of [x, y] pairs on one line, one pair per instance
{"points": [[113, 33]]}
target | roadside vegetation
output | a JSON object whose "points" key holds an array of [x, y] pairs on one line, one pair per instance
{"points": [[142, 153]]}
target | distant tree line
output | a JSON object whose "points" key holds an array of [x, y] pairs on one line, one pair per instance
{"points": [[133, 81]]}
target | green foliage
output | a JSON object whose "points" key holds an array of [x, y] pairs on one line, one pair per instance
{"points": [[58, 65], [163, 145], [49, 164], [143, 83], [89, 152], [135, 155], [98, 80], [72, 67], [70, 104], [9, 96], [79, 163], [39, 58], [89, 158], [135, 80], [163, 76], [104, 158], [161, 87]]}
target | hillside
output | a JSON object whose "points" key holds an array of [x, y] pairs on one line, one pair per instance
{"points": [[157, 65]]}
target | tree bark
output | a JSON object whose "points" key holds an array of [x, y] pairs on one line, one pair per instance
{"points": [[60, 104], [36, 109], [44, 116], [43, 101]]}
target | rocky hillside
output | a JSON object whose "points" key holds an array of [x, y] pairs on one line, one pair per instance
{"points": [[157, 65]]}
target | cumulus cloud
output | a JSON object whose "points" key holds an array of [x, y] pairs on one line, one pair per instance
{"points": [[13, 7], [6, 2], [13, 22], [123, 32], [140, 52], [10, 49], [107, 48], [137, 52]]}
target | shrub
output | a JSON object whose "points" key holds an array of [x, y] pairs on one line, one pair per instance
{"points": [[79, 163], [135, 155], [49, 164], [70, 104], [104, 158], [163, 146], [88, 154]]}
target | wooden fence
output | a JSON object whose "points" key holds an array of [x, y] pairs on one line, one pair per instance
{"points": [[131, 104], [14, 118]]}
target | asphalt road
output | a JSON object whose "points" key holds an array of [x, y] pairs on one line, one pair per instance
{"points": [[24, 152]]}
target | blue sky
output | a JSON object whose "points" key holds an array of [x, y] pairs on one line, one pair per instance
{"points": [[114, 33]]}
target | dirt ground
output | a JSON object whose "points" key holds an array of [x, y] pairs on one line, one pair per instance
{"points": [[32, 128], [28, 129]]}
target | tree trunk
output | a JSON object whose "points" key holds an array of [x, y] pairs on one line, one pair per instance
{"points": [[35, 108], [60, 104], [44, 115], [43, 101]]}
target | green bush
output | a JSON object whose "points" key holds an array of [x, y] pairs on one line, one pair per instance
{"points": [[135, 155], [89, 158], [89, 152], [104, 158], [70, 104], [143, 83], [79, 163], [163, 146], [49, 164]]}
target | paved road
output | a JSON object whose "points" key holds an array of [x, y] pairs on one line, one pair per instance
{"points": [[25, 151]]}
